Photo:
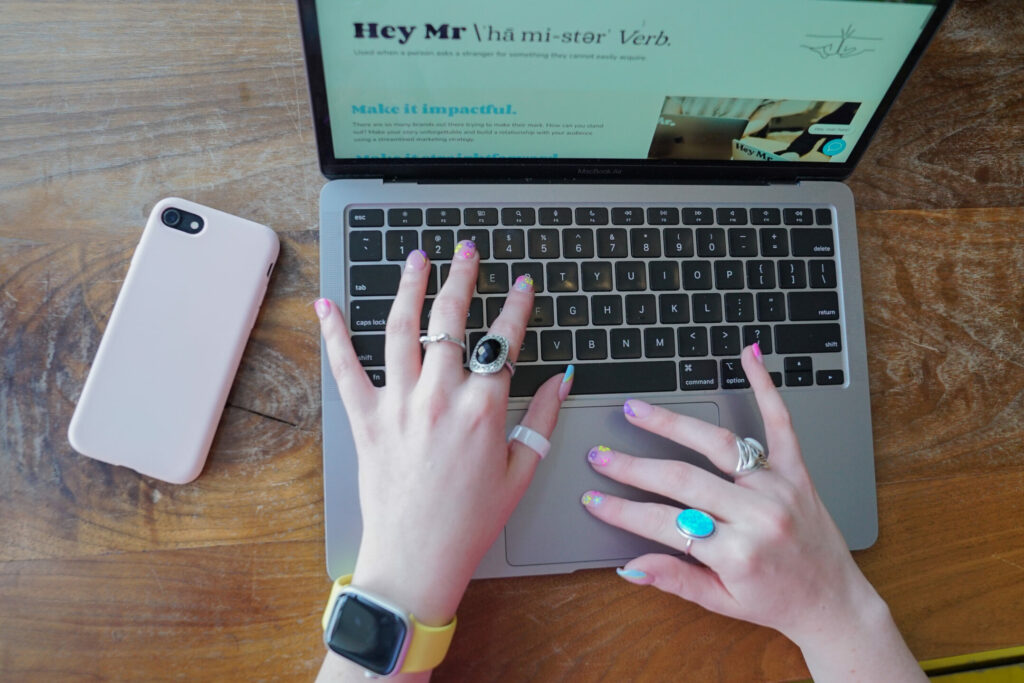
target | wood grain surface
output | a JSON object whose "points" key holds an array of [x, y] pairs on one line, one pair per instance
{"points": [[106, 575]]}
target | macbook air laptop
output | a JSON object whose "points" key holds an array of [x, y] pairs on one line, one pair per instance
{"points": [[533, 129]]}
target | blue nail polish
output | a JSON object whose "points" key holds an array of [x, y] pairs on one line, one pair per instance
{"points": [[631, 573]]}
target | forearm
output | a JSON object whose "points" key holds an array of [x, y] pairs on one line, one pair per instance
{"points": [[335, 668]]}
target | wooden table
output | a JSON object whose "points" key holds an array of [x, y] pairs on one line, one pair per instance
{"points": [[107, 107]]}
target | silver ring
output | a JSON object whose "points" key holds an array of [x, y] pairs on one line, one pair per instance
{"points": [[752, 456], [490, 355], [442, 337], [530, 439]]}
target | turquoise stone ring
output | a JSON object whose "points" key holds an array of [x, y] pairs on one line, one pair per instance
{"points": [[694, 524]]}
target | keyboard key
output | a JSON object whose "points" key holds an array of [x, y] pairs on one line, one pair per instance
{"points": [[591, 345], [641, 309], [398, 244], [480, 237], [596, 276], [528, 350], [731, 216], [405, 218], [439, 244], [364, 245], [555, 216], [432, 280], [645, 242], [493, 308], [796, 363], [554, 345], [627, 216], [742, 242], [823, 216], [659, 342], [534, 270], [622, 378], [630, 276], [761, 274], [563, 277], [697, 275], [774, 242], [626, 343], [765, 217], [813, 306], [698, 375], [480, 217], [673, 309], [799, 379], [729, 274], [592, 216], [829, 377], [739, 308], [725, 340], [518, 216], [376, 376], [693, 215], [492, 278], [606, 309], [807, 338], [366, 218], [528, 378], [663, 216], [693, 341], [572, 311], [374, 280], [509, 243], [776, 378], [475, 316], [813, 242], [771, 307], [369, 348], [761, 334], [443, 217], [543, 243], [611, 243], [822, 274], [707, 308], [543, 312], [733, 376], [679, 242], [792, 275], [798, 216], [711, 242], [578, 243], [664, 275], [369, 315]]}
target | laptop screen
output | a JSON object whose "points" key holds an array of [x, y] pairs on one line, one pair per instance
{"points": [[672, 83]]}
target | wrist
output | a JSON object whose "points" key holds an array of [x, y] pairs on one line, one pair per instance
{"points": [[433, 600]]}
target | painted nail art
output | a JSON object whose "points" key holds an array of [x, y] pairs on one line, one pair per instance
{"points": [[631, 574], [566, 386], [417, 260], [592, 499], [465, 249], [524, 283], [756, 348], [636, 408], [322, 308], [600, 455]]}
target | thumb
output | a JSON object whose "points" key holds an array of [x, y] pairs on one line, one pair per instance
{"points": [[541, 417]]}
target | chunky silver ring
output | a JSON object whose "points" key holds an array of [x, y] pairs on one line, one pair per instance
{"points": [[490, 355], [442, 337], [752, 456], [530, 439], [694, 525]]}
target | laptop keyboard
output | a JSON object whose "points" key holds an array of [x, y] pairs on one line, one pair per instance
{"points": [[658, 298]]}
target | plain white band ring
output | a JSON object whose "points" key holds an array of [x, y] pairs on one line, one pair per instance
{"points": [[530, 439]]}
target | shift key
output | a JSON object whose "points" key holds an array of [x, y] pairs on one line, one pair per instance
{"points": [[808, 338]]}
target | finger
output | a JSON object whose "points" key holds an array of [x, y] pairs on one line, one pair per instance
{"points": [[511, 324], [783, 446], [353, 383], [717, 443], [652, 520], [401, 343], [448, 313], [541, 417], [699, 585], [689, 484]]}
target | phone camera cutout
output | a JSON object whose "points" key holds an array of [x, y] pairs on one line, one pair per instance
{"points": [[182, 220]]}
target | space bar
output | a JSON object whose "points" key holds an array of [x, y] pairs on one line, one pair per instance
{"points": [[600, 378]]}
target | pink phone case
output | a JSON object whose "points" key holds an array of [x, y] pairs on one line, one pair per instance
{"points": [[158, 384]]}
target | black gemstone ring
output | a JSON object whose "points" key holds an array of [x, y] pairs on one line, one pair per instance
{"points": [[490, 355]]}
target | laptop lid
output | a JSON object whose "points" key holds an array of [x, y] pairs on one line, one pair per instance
{"points": [[575, 91]]}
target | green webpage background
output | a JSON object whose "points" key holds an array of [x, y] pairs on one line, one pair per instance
{"points": [[531, 79]]}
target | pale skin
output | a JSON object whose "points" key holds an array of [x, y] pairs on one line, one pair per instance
{"points": [[776, 558]]}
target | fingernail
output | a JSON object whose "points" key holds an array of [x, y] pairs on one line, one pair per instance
{"points": [[417, 260], [524, 283], [636, 408], [322, 308], [756, 348], [635, 576], [601, 455], [566, 386], [465, 249], [592, 499]]}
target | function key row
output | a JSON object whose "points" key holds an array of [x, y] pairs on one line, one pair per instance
{"points": [[564, 216], [585, 243]]}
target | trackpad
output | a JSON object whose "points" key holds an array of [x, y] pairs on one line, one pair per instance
{"points": [[550, 525]]}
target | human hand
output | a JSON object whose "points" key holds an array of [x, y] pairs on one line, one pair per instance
{"points": [[437, 480], [776, 558]]}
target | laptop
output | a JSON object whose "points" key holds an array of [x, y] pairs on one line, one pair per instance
{"points": [[535, 130]]}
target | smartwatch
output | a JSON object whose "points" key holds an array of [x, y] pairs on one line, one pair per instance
{"points": [[379, 636]]}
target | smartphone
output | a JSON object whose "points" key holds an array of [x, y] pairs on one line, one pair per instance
{"points": [[160, 379]]}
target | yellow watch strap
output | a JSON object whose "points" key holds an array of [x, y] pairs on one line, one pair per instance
{"points": [[428, 645]]}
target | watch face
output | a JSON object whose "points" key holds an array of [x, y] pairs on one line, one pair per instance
{"points": [[368, 634]]}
